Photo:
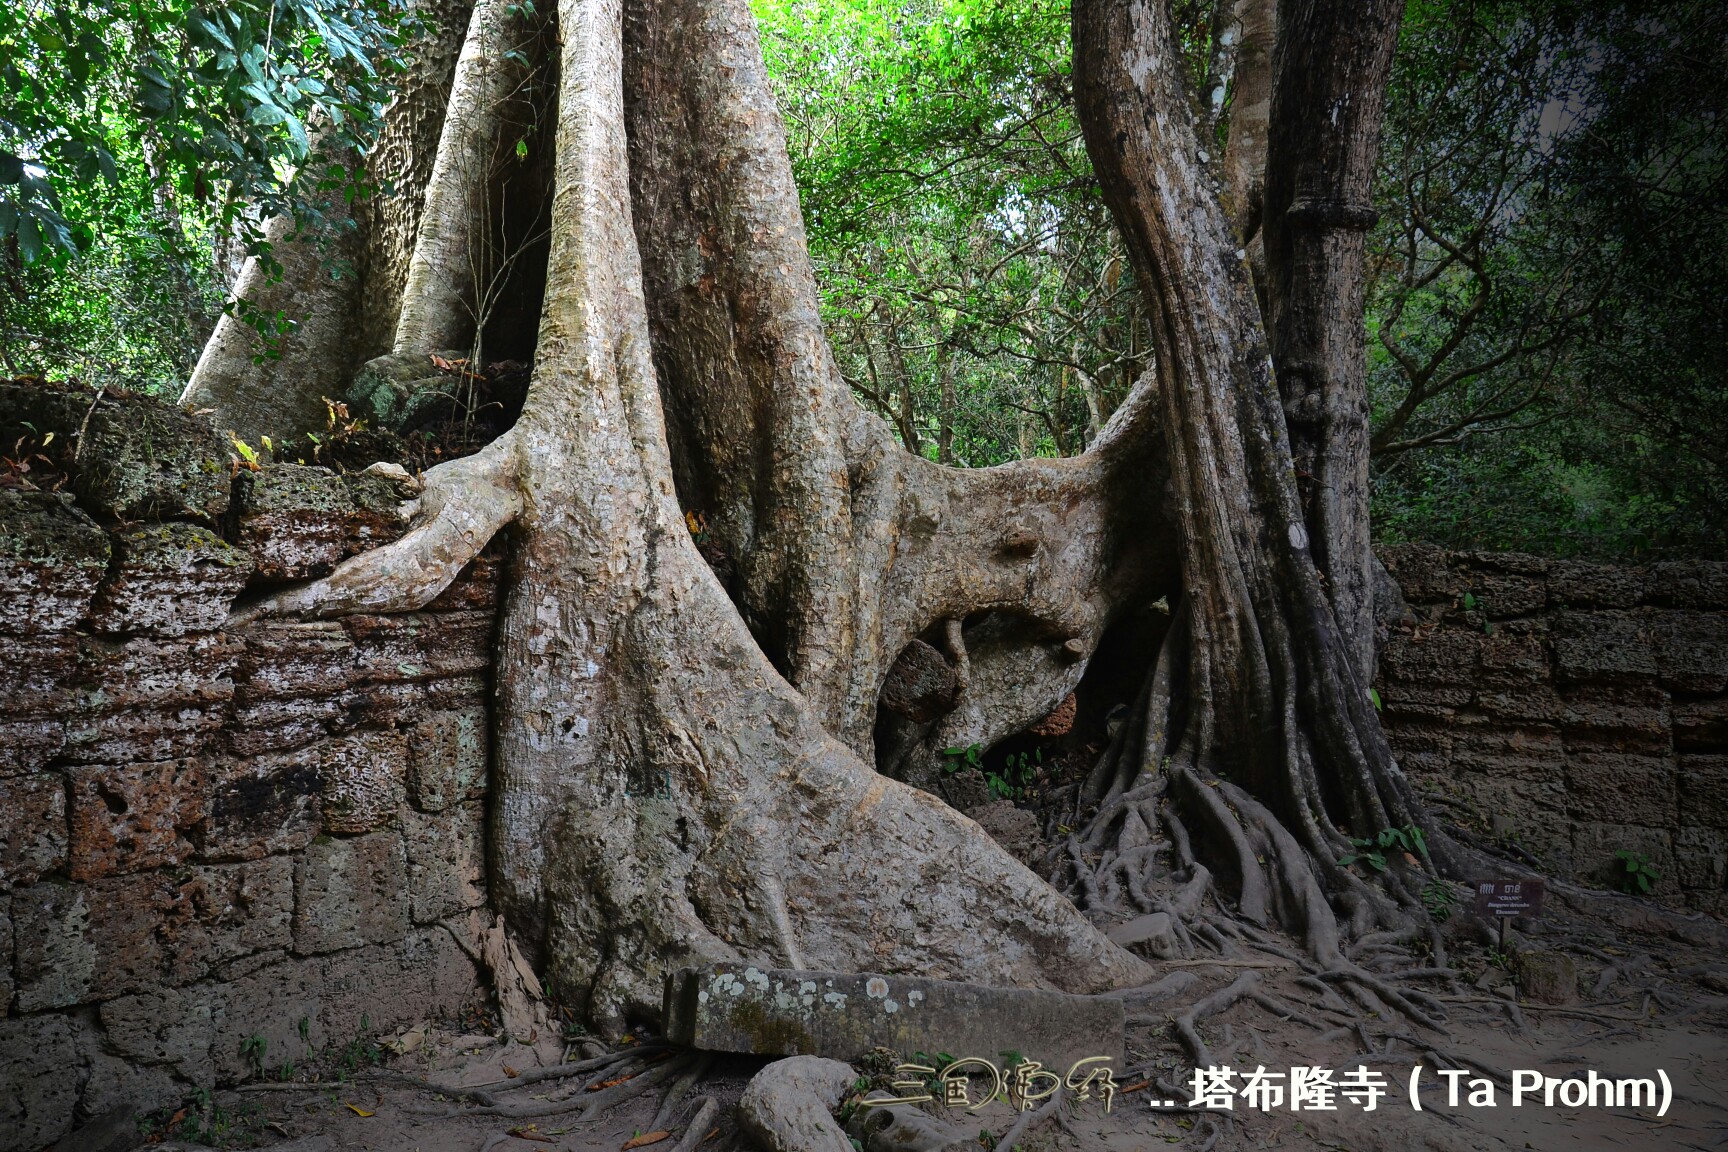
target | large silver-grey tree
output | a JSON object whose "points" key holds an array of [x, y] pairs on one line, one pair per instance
{"points": [[687, 762]]}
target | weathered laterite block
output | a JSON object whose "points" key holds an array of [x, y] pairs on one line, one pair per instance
{"points": [[138, 458], [1616, 718], [1439, 658], [76, 943], [349, 892], [169, 580], [1704, 791], [1575, 584], [129, 817], [1692, 651], [1695, 584], [33, 832], [148, 699], [261, 805], [447, 758], [446, 861], [1609, 787], [364, 779], [298, 521], [421, 976], [1603, 646], [52, 559], [843, 1015]]}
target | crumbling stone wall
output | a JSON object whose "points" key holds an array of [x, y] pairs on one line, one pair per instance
{"points": [[1571, 710], [211, 835], [207, 835]]}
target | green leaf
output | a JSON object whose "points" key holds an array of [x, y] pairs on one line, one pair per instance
{"points": [[29, 239]]}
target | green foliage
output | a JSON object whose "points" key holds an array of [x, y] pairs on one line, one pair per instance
{"points": [[209, 101], [1440, 900], [1018, 769], [1372, 850], [972, 284], [361, 1052], [958, 759], [1018, 772], [142, 147], [1545, 308], [252, 1048], [202, 1120], [1633, 872]]}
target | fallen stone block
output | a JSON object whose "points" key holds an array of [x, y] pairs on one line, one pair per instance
{"points": [[1151, 935], [1547, 977], [786, 1107], [841, 1015]]}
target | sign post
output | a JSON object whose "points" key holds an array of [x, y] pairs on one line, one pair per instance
{"points": [[1505, 899]]}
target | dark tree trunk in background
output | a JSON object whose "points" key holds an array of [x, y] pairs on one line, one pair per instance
{"points": [[1274, 716], [1331, 67]]}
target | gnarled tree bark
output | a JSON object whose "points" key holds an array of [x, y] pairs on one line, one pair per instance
{"points": [[684, 749], [1272, 746], [663, 794]]}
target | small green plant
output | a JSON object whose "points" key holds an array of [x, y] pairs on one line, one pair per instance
{"points": [[253, 1049], [201, 1120], [1372, 850], [1440, 900], [1634, 873], [1017, 773], [958, 759], [1475, 603]]}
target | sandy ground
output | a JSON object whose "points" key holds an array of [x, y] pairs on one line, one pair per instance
{"points": [[1663, 1015]]}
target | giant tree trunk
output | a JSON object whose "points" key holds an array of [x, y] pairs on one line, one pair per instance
{"points": [[1332, 64], [1271, 744], [663, 793], [684, 749]]}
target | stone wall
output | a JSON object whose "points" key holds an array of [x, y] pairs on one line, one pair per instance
{"points": [[210, 835], [1573, 710]]}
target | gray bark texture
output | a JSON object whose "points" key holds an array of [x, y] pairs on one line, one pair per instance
{"points": [[1328, 100], [667, 795], [1273, 748], [687, 764]]}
